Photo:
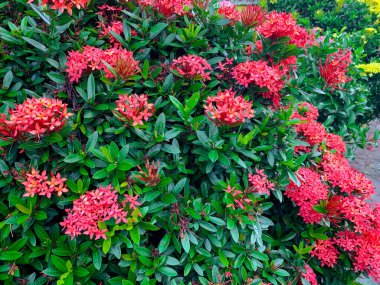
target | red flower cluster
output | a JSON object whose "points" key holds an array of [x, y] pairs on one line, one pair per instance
{"points": [[309, 275], [134, 108], [262, 75], [229, 11], [305, 112], [192, 67], [95, 206], [33, 118], [338, 172], [253, 16], [62, 5], [38, 183], [308, 194], [335, 68], [91, 58], [313, 132], [259, 183], [227, 109], [168, 8], [281, 24], [326, 252], [357, 223]]}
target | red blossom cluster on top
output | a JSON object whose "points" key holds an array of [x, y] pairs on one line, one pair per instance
{"points": [[344, 191], [259, 183], [192, 67], [168, 8], [227, 109], [134, 108], [38, 183], [91, 58], [111, 22], [280, 24], [262, 75], [229, 11], [62, 5], [251, 15], [334, 70], [33, 118], [96, 206]]}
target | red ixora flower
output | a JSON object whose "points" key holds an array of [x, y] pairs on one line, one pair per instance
{"points": [[309, 275], [308, 194], [192, 67], [334, 70], [91, 58], [95, 206], [134, 108], [252, 16], [281, 24], [229, 11], [38, 183], [227, 109], [326, 252], [33, 118], [258, 183], [62, 5], [172, 7], [262, 75]]}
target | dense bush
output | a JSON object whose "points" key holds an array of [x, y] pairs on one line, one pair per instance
{"points": [[167, 142], [355, 24]]}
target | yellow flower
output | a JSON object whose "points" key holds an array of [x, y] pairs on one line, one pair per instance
{"points": [[373, 5], [370, 31], [370, 68]]}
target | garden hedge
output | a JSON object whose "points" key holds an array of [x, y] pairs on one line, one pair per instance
{"points": [[172, 142]]}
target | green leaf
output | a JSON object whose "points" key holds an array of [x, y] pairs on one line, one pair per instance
{"points": [[100, 174], [281, 272], [56, 77], [91, 88], [96, 258], [235, 233], [10, 255], [168, 83], [156, 29], [58, 263], [164, 243], [185, 241], [92, 140], [203, 138], [160, 125], [36, 44], [135, 235], [73, 158], [259, 255], [168, 271], [81, 272], [7, 80], [106, 246], [213, 155], [23, 209]]}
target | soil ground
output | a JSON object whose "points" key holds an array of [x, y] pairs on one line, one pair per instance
{"points": [[368, 162]]}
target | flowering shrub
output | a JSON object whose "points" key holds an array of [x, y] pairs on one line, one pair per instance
{"points": [[172, 142]]}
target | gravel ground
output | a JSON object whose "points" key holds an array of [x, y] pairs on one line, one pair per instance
{"points": [[368, 162]]}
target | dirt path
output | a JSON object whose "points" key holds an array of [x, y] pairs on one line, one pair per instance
{"points": [[368, 162]]}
